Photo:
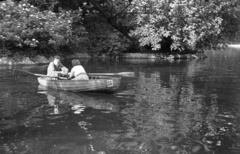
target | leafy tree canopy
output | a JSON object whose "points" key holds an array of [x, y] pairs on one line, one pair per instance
{"points": [[186, 22], [25, 26], [182, 24]]}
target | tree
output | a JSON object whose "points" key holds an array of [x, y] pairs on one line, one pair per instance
{"points": [[25, 26], [181, 24], [186, 22], [103, 19]]}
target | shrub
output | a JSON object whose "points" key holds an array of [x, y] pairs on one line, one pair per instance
{"points": [[24, 26], [187, 23]]}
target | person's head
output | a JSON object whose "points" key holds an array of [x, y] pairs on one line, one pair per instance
{"points": [[56, 60], [76, 62]]}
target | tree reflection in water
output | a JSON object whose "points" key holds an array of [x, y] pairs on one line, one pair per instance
{"points": [[173, 117]]}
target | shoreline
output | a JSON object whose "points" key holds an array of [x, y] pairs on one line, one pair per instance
{"points": [[43, 60]]}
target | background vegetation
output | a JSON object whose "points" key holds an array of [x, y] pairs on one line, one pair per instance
{"points": [[111, 27]]}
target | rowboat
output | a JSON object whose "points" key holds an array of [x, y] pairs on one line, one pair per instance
{"points": [[95, 83]]}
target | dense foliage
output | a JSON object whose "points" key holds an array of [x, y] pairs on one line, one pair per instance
{"points": [[113, 26], [177, 24], [103, 39], [23, 26], [187, 22]]}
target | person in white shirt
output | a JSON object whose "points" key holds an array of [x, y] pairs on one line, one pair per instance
{"points": [[56, 68], [77, 72]]}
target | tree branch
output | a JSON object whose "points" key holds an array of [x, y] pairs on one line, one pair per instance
{"points": [[112, 20]]}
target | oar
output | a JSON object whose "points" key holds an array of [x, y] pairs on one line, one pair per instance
{"points": [[125, 74], [40, 75]]}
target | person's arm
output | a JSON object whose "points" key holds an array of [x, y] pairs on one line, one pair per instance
{"points": [[71, 74], [64, 70]]}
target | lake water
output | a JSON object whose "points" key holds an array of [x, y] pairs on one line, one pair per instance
{"points": [[171, 107]]}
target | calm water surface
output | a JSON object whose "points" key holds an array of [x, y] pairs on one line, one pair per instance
{"points": [[171, 107]]}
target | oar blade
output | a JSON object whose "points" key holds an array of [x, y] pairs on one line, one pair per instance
{"points": [[127, 74]]}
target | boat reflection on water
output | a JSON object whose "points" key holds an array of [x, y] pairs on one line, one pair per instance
{"points": [[74, 132], [69, 123], [77, 102]]}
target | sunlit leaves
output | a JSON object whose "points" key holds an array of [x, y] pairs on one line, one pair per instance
{"points": [[186, 21], [25, 25]]}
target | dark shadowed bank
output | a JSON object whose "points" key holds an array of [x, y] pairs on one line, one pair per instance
{"points": [[42, 59]]}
